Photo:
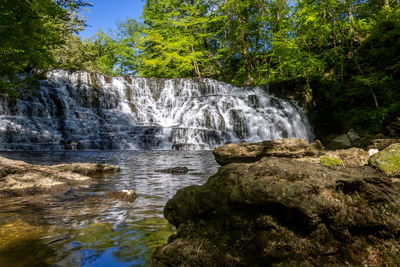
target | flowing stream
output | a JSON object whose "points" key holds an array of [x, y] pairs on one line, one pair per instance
{"points": [[81, 110], [82, 228]]}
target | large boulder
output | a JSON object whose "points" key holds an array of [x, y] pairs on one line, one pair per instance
{"points": [[282, 212], [340, 142], [387, 160], [353, 136], [20, 178], [252, 152]]}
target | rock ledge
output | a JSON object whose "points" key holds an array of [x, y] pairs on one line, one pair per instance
{"points": [[20, 178]]}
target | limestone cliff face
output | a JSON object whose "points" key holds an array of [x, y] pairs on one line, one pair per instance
{"points": [[81, 110]]}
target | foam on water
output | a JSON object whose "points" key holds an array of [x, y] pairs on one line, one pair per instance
{"points": [[81, 110]]}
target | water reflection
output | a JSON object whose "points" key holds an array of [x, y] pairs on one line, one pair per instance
{"points": [[85, 228]]}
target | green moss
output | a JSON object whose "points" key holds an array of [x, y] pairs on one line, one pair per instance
{"points": [[388, 160], [330, 161]]}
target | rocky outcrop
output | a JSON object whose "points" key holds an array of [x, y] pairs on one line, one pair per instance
{"points": [[387, 160], [283, 212], [252, 152], [20, 178]]}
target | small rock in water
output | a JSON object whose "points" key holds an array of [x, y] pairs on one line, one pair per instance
{"points": [[174, 170], [126, 195], [71, 146]]}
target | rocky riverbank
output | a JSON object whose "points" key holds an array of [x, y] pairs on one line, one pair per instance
{"points": [[18, 178], [273, 206]]}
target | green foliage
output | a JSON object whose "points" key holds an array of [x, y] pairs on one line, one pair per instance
{"points": [[176, 38], [342, 56], [29, 31]]}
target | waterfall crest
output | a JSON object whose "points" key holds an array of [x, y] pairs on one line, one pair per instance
{"points": [[81, 110]]}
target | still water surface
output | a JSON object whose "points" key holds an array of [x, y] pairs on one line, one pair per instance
{"points": [[84, 228]]}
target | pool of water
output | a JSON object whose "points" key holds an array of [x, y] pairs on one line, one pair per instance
{"points": [[81, 228]]}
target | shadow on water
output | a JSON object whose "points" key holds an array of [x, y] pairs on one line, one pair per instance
{"points": [[85, 228]]}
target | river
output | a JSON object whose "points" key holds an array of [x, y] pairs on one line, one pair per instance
{"points": [[84, 228]]}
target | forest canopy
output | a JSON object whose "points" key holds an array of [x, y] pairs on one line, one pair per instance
{"points": [[343, 56]]}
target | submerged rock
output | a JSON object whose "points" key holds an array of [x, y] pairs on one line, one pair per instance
{"points": [[387, 160], [175, 170], [252, 152], [283, 212], [126, 195], [88, 169], [21, 178]]}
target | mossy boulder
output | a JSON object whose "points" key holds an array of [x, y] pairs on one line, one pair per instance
{"points": [[283, 212], [252, 152], [387, 160], [352, 157]]}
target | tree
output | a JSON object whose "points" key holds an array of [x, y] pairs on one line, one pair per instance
{"points": [[176, 38], [30, 30], [128, 36]]}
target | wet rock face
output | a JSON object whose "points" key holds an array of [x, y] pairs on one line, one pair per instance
{"points": [[252, 152], [20, 178], [279, 211]]}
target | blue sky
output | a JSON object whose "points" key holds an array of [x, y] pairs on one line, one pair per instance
{"points": [[105, 13]]}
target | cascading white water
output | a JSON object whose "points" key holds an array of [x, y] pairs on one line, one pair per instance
{"points": [[91, 111]]}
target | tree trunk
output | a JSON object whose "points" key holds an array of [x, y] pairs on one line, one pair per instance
{"points": [[387, 4], [196, 66]]}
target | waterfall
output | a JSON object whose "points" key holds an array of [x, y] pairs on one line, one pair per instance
{"points": [[82, 110]]}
